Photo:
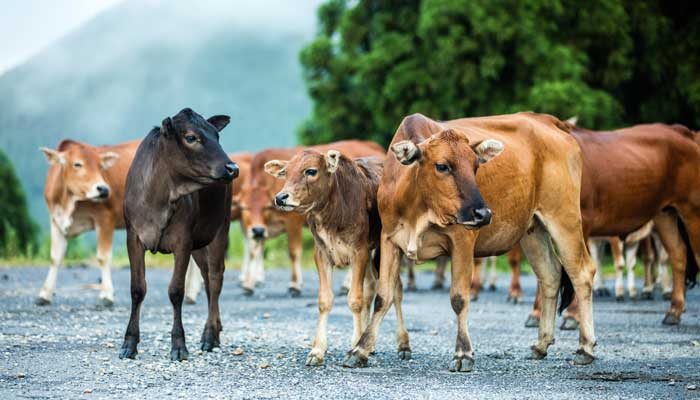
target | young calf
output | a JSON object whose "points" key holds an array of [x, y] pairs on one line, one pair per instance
{"points": [[178, 200], [338, 195]]}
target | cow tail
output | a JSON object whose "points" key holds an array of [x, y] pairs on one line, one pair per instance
{"points": [[566, 291], [691, 265]]}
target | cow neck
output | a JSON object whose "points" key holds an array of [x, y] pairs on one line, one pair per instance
{"points": [[63, 204], [340, 208]]}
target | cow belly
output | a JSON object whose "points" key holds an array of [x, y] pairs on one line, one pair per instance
{"points": [[80, 224], [338, 251]]}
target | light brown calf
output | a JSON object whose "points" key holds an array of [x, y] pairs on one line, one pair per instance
{"points": [[430, 202], [338, 196], [84, 191]]}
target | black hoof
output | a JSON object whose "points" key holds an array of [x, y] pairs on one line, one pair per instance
{"points": [[601, 292], [569, 324], [314, 360], [437, 286], [209, 346], [190, 301], [619, 298], [462, 364], [513, 299], [128, 350], [647, 296], [40, 301], [412, 288], [583, 358], [248, 292], [343, 291], [536, 354], [492, 287], [179, 354], [294, 292], [210, 339], [671, 319], [532, 322], [405, 353], [667, 295], [355, 360], [475, 297], [106, 303]]}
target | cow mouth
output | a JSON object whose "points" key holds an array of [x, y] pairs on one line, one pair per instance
{"points": [[287, 207], [474, 225]]}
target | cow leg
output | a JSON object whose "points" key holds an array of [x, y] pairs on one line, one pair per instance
{"points": [[193, 282], [538, 249], [649, 261], [411, 272], [493, 275], [347, 284], [617, 250], [356, 295], [105, 233], [439, 281], [59, 244], [479, 264], [462, 274], [370, 290], [294, 241], [176, 293], [388, 277], [256, 255], [404, 348], [216, 253], [667, 226], [533, 320], [662, 268], [630, 262], [138, 293], [246, 264], [566, 232], [515, 292], [595, 256], [325, 303]]}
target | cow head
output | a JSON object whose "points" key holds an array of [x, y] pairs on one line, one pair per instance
{"points": [[191, 145], [307, 175], [81, 169], [445, 171]]}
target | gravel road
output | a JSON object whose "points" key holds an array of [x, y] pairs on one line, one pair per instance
{"points": [[69, 349]]}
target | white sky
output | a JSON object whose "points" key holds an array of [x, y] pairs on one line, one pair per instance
{"points": [[27, 26]]}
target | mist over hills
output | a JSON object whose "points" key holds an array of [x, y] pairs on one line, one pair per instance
{"points": [[129, 67]]}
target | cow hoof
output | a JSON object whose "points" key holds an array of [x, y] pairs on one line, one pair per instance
{"points": [[355, 360], [513, 299], [343, 291], [569, 324], [647, 296], [190, 301], [475, 297], [536, 354], [294, 292], [314, 360], [601, 292], [179, 354], [411, 288], [105, 302], [671, 319], [462, 364], [210, 345], [128, 350], [248, 292], [667, 296], [405, 354], [437, 286], [619, 298], [492, 287], [633, 296], [40, 301], [532, 322], [583, 358]]}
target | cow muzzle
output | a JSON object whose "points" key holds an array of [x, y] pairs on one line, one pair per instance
{"points": [[284, 202], [475, 218], [98, 192]]}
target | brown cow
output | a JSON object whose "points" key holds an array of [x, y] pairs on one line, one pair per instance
{"points": [[193, 283], [84, 191], [263, 221], [642, 173], [430, 202], [338, 196]]}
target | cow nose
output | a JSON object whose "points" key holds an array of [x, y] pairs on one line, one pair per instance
{"points": [[281, 198], [232, 170], [102, 191], [258, 232], [482, 216]]}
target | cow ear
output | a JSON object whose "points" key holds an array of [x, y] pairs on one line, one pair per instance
{"points": [[487, 150], [276, 168], [54, 156], [108, 159], [332, 159], [219, 121], [406, 152], [167, 127]]}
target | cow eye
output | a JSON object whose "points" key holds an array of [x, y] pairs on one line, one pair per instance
{"points": [[77, 165], [311, 172], [190, 139], [442, 167]]}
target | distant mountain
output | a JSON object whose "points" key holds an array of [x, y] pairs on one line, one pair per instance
{"points": [[124, 71]]}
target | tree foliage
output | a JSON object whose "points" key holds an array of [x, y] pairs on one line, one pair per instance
{"points": [[17, 230], [610, 62]]}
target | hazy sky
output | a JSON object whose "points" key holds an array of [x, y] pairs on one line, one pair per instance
{"points": [[27, 26]]}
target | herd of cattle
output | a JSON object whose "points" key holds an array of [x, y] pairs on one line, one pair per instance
{"points": [[461, 191]]}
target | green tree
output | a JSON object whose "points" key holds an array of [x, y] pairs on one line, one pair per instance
{"points": [[611, 62], [17, 229]]}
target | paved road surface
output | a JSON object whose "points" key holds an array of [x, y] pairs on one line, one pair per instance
{"points": [[69, 349]]}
